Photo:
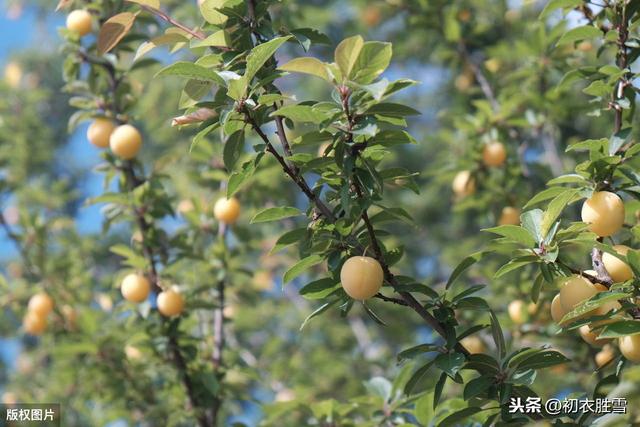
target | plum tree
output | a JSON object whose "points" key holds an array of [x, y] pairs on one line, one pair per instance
{"points": [[135, 287], [99, 132], [170, 303], [464, 184], [361, 277], [80, 22], [604, 212], [125, 141], [227, 210], [494, 154], [617, 269]]}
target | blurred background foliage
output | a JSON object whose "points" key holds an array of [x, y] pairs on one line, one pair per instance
{"points": [[487, 71]]}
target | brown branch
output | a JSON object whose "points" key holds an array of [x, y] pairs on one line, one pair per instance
{"points": [[160, 14], [482, 80], [603, 275]]}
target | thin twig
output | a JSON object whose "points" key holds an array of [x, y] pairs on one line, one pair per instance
{"points": [[160, 14]]}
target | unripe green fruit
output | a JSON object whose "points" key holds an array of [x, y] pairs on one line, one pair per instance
{"points": [[170, 303], [125, 142], [604, 212], [100, 131], [79, 21], [135, 288], [361, 277]]}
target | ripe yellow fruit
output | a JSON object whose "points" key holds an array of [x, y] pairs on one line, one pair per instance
{"points": [[133, 353], [70, 315], [170, 303], [99, 132], [227, 210], [323, 148], [185, 206], [509, 216], [592, 337], [79, 21], [516, 311], [9, 398], [34, 323], [574, 290], [557, 312], [617, 269], [40, 304], [604, 212], [464, 184], [263, 280], [630, 347], [604, 356], [125, 142], [13, 74], [473, 344], [493, 65], [361, 277], [494, 154], [135, 288], [371, 16]]}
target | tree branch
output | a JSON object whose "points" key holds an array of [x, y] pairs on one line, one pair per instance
{"points": [[160, 14]]}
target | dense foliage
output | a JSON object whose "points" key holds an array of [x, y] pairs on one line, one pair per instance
{"points": [[304, 226]]}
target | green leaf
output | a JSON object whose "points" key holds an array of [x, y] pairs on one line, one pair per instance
{"points": [[515, 264], [301, 113], [319, 289], [621, 329], [165, 39], [458, 416], [324, 307], [275, 214], [373, 59], [218, 39], [542, 359], [210, 12], [498, 337], [417, 376], [191, 71], [532, 221], [300, 267], [477, 386], [557, 4], [239, 178], [466, 263], [392, 109], [579, 33], [260, 54], [233, 148], [515, 233], [289, 238], [132, 257], [417, 350], [423, 411], [555, 208], [346, 55], [308, 65], [113, 30], [450, 363]]}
